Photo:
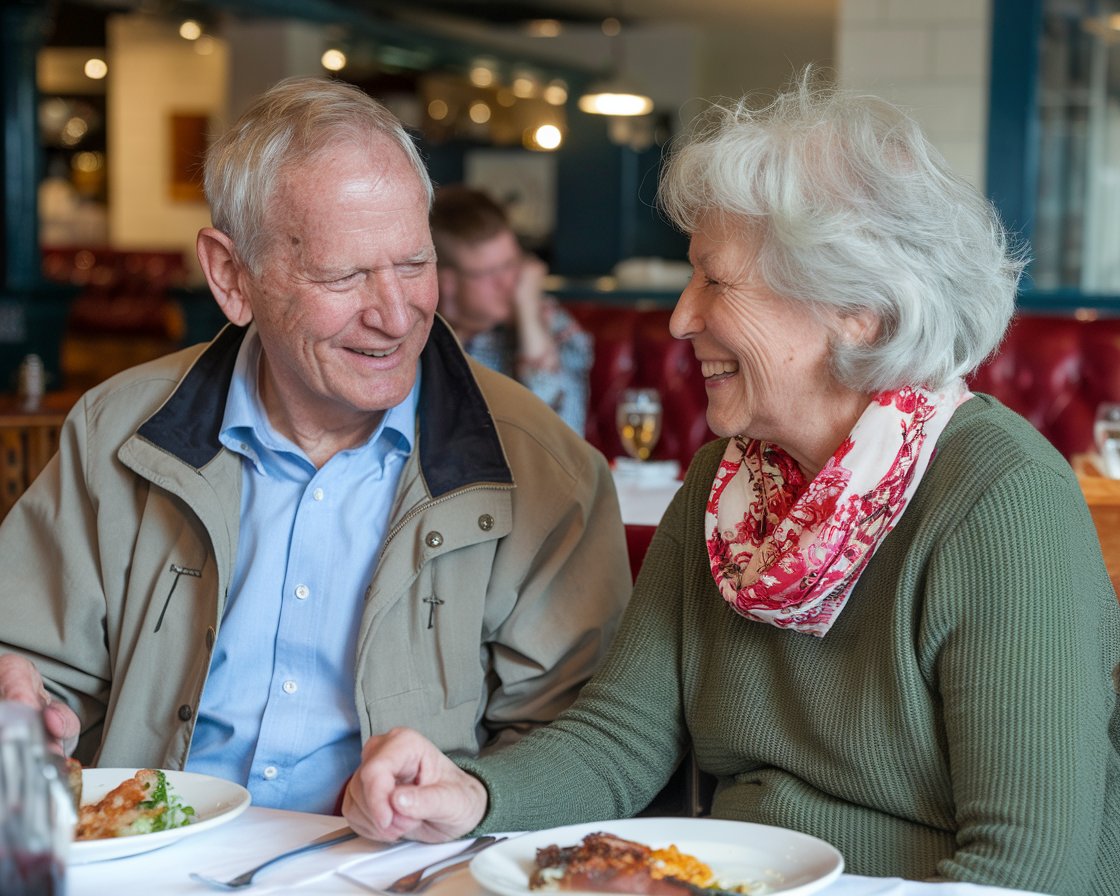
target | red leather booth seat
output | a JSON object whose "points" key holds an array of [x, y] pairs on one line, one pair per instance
{"points": [[633, 349], [1054, 370]]}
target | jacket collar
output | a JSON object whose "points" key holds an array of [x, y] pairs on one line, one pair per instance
{"points": [[458, 441]]}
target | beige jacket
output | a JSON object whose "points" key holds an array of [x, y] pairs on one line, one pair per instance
{"points": [[505, 535]]}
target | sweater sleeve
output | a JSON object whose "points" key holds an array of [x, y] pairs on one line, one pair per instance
{"points": [[1017, 602], [614, 749]]}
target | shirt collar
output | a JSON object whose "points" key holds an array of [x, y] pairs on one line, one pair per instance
{"points": [[246, 428]]}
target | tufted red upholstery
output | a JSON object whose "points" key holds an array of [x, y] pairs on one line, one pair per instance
{"points": [[633, 348], [1054, 370]]}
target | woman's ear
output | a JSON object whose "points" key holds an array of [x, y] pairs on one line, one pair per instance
{"points": [[224, 273], [861, 328]]}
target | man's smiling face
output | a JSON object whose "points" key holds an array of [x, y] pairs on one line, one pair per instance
{"points": [[347, 288]]}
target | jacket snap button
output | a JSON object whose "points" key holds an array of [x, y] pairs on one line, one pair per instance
{"points": [[433, 539], [185, 712], [486, 522]]}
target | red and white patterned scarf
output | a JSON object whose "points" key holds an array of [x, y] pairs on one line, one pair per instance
{"points": [[787, 552]]}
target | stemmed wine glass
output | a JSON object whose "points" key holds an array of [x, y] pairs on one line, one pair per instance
{"points": [[1106, 433], [639, 421]]}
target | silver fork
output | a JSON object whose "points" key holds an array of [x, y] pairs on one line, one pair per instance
{"points": [[246, 879], [421, 878]]}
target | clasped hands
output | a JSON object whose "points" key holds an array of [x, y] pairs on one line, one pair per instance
{"points": [[406, 788]]}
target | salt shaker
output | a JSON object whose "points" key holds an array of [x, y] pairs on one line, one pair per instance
{"points": [[31, 383], [36, 811]]}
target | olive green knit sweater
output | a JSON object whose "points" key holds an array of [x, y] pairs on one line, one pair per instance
{"points": [[960, 720]]}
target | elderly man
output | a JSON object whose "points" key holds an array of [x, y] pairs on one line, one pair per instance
{"points": [[492, 294], [249, 556]]}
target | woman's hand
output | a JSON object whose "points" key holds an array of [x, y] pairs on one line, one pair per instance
{"points": [[406, 788], [20, 681]]}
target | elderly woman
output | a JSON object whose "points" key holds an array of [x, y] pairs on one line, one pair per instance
{"points": [[876, 611]]}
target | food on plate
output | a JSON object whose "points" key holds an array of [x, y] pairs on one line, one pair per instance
{"points": [[608, 864], [74, 781], [141, 804]]}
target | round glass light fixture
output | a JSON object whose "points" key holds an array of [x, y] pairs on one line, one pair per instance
{"points": [[483, 73], [548, 136], [524, 86], [556, 93], [95, 69], [190, 30], [333, 60]]}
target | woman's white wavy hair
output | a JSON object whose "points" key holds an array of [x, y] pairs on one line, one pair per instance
{"points": [[285, 126], [857, 213]]}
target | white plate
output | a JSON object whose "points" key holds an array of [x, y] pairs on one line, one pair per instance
{"points": [[215, 802], [787, 862]]}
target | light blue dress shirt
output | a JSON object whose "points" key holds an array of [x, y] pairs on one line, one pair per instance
{"points": [[277, 713]]}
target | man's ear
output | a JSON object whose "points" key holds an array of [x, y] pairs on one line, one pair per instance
{"points": [[224, 273]]}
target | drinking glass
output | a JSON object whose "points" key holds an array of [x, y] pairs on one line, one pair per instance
{"points": [[1106, 433], [639, 421], [36, 812]]}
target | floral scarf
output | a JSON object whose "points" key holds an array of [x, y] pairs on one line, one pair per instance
{"points": [[789, 552]]}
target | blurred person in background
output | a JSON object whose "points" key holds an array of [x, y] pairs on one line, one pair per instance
{"points": [[492, 293]]}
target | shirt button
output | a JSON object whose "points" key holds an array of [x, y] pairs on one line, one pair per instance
{"points": [[486, 522], [317, 494], [290, 687], [433, 539], [270, 772], [303, 592]]}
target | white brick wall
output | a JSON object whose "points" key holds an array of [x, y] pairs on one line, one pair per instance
{"points": [[931, 58]]}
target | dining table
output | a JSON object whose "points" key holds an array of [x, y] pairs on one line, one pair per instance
{"points": [[644, 492], [354, 867]]}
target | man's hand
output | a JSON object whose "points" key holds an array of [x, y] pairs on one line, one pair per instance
{"points": [[20, 681], [406, 788], [536, 349]]}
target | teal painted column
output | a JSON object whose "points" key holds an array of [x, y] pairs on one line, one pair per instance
{"points": [[32, 312], [22, 32]]}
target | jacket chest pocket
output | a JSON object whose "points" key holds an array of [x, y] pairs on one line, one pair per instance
{"points": [[449, 624], [172, 591]]}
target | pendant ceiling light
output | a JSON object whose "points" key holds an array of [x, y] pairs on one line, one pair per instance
{"points": [[615, 95]]}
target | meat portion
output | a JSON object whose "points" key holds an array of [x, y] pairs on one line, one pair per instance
{"points": [[122, 808], [604, 863]]}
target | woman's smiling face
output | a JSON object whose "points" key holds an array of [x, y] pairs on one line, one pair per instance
{"points": [[765, 358]]}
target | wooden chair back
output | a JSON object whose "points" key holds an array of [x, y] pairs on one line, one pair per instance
{"points": [[28, 439]]}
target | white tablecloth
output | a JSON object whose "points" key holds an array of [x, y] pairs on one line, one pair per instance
{"points": [[259, 833], [643, 498]]}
